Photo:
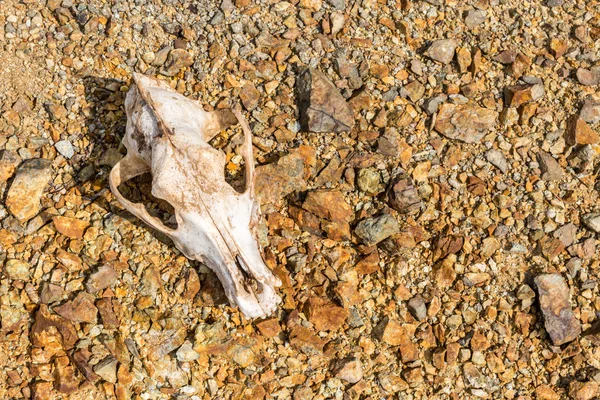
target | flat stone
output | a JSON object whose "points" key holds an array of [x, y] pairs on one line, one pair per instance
{"points": [[322, 106], [414, 91], [305, 340], [588, 77], [497, 159], [391, 332], [578, 132], [25, 193], [45, 321], [328, 204], [57, 111], [368, 181], [375, 229], [9, 161], [80, 309], [289, 174], [107, 369], [51, 293], [560, 322], [178, 59], [418, 308], [583, 390], [590, 111], [517, 95], [475, 18], [506, 57], [325, 315], [349, 369], [551, 169], [592, 221], [70, 227], [17, 269], [65, 148], [468, 122], [105, 277], [566, 234], [269, 327], [442, 50], [186, 353], [107, 314], [249, 96]]}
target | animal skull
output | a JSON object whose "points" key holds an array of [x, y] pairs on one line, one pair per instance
{"points": [[167, 135]]}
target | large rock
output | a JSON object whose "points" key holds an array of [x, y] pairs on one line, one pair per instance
{"points": [[468, 123], [579, 132], [560, 322], [322, 106], [442, 50], [403, 196], [289, 174], [328, 204], [25, 193], [375, 229]]}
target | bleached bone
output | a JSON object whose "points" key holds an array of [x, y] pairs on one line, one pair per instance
{"points": [[167, 135]]}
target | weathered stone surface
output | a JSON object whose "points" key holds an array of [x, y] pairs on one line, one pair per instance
{"points": [[418, 308], [45, 321], [328, 204], [269, 327], [349, 369], [186, 353], [17, 269], [442, 50], [289, 174], [322, 107], [105, 277], [9, 161], [249, 96], [178, 59], [305, 340], [560, 322], [583, 390], [592, 221], [588, 77], [25, 193], [51, 293], [375, 229], [107, 369], [468, 122], [517, 95], [590, 111], [325, 315], [80, 309], [551, 169], [70, 227], [578, 132], [403, 196], [506, 57]]}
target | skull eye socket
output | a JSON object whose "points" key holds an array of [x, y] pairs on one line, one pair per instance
{"points": [[139, 190]]}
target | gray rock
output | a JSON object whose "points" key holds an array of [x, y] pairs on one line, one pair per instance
{"points": [[496, 158], [560, 322], [322, 106], [442, 50], [475, 18], [588, 77], [178, 59], [25, 193], [551, 169], [65, 148], [590, 111], [418, 308], [375, 229], [592, 221]]}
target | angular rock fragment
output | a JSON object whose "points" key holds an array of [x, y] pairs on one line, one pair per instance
{"points": [[506, 57], [551, 169], [70, 227], [178, 59], [592, 221], [560, 322], [249, 96], [107, 369], [496, 158], [468, 122], [590, 111], [578, 132], [17, 269], [328, 204], [105, 277], [25, 193], [45, 321], [517, 95], [418, 308], [348, 369], [322, 106], [442, 50], [289, 174], [9, 161], [375, 229], [325, 315], [80, 309], [403, 196], [588, 77]]}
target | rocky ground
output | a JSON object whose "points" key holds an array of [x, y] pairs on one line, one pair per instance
{"points": [[428, 188]]}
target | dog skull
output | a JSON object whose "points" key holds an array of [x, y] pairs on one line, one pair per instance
{"points": [[167, 135]]}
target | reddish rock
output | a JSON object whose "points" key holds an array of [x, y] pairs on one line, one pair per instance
{"points": [[269, 327], [325, 315], [9, 161], [107, 314], [328, 204], [517, 95], [80, 309], [23, 199], [249, 96], [70, 227], [579, 132], [43, 323], [305, 340], [403, 196]]}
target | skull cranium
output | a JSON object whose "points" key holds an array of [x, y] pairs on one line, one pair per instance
{"points": [[167, 135]]}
